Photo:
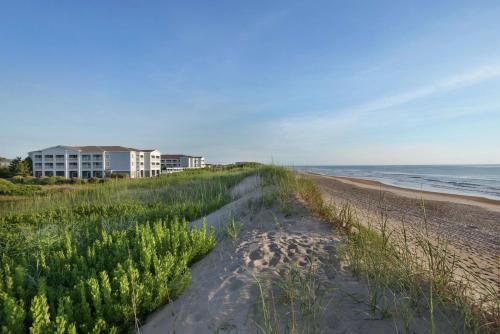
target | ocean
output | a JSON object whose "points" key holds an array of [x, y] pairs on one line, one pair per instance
{"points": [[473, 180]]}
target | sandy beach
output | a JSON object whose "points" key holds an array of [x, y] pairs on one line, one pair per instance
{"points": [[471, 225], [234, 286]]}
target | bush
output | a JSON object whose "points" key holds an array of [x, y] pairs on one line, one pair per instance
{"points": [[93, 180], [9, 188], [75, 180], [118, 176], [17, 179], [46, 180], [5, 172]]}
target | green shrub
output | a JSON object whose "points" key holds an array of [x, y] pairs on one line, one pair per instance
{"points": [[46, 180], [93, 180], [75, 180], [9, 188], [118, 176]]}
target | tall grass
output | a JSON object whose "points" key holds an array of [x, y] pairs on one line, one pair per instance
{"points": [[418, 271], [98, 258]]}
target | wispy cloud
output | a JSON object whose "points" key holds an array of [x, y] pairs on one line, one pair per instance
{"points": [[352, 115]]}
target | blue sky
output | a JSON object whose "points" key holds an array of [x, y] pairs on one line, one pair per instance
{"points": [[294, 82]]}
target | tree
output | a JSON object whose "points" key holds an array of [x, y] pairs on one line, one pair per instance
{"points": [[13, 165], [29, 163], [20, 167]]}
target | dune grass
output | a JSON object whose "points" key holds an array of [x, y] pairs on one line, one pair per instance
{"points": [[98, 258], [405, 271]]}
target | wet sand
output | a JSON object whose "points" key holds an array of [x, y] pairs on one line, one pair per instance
{"points": [[471, 225]]}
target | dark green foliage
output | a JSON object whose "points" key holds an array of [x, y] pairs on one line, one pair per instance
{"points": [[5, 172], [94, 262], [21, 167]]}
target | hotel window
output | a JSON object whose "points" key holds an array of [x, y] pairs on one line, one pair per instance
{"points": [[60, 165], [73, 156], [97, 156], [60, 156], [38, 165], [38, 156], [49, 156], [86, 157], [49, 165]]}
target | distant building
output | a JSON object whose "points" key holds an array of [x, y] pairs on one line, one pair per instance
{"points": [[95, 161], [178, 162], [4, 162]]}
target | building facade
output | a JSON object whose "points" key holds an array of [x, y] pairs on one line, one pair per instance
{"points": [[95, 161], [178, 162]]}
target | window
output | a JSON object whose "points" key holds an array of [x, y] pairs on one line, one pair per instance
{"points": [[97, 156], [85, 157], [49, 173], [49, 165], [73, 156], [60, 165], [38, 165], [49, 156], [73, 174], [38, 156], [60, 173], [73, 165], [38, 174], [60, 156], [86, 165]]}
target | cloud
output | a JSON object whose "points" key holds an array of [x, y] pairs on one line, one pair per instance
{"points": [[351, 116]]}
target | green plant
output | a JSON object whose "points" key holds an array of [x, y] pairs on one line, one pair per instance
{"points": [[233, 228], [98, 258]]}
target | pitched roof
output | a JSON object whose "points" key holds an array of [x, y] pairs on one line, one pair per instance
{"points": [[96, 149], [104, 148]]}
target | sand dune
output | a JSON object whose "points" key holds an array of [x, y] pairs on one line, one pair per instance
{"points": [[230, 284]]}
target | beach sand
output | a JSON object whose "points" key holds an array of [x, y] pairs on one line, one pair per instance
{"points": [[470, 225], [224, 295]]}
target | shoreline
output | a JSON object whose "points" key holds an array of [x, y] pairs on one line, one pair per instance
{"points": [[483, 202], [469, 225]]}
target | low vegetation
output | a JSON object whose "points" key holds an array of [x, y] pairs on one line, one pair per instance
{"points": [[99, 257], [11, 189]]}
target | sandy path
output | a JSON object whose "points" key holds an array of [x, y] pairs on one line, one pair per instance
{"points": [[471, 226], [224, 297]]}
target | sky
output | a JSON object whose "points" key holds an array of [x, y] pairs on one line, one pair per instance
{"points": [[289, 82]]}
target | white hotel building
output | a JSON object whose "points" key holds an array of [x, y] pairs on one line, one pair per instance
{"points": [[95, 161], [178, 162]]}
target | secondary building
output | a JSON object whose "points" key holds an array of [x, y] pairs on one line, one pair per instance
{"points": [[95, 161], [178, 162]]}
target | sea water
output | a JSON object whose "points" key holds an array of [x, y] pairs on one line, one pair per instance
{"points": [[473, 180]]}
